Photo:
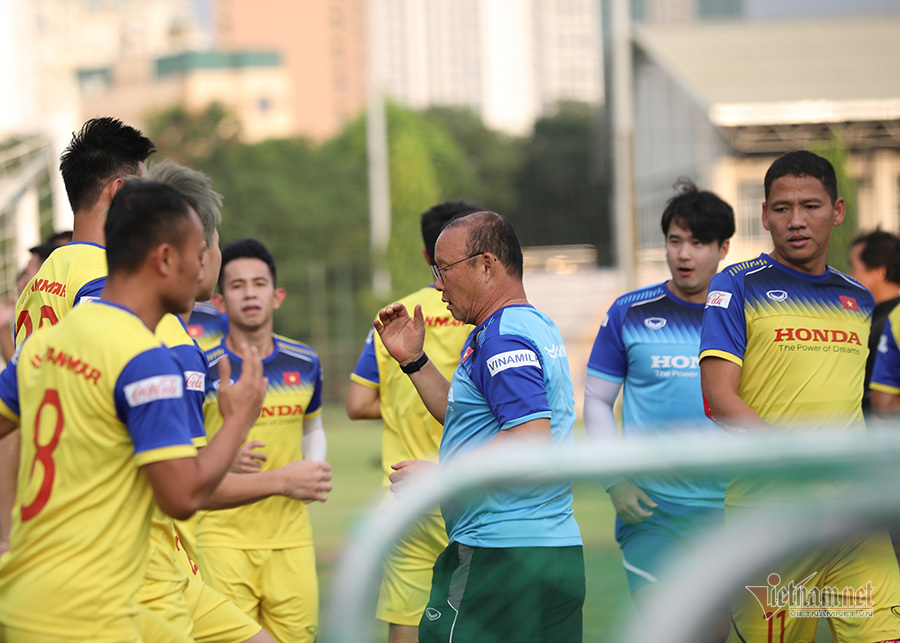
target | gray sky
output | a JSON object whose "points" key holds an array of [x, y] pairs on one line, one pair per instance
{"points": [[796, 8]]}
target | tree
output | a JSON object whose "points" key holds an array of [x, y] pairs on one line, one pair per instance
{"points": [[836, 151], [560, 194]]}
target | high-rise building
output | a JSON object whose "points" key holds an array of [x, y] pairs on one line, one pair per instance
{"points": [[322, 44]]}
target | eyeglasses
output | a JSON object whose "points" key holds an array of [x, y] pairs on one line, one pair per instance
{"points": [[437, 272]]}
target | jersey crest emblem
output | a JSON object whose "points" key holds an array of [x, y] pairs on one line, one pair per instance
{"points": [[655, 323], [291, 377], [848, 303], [195, 330], [776, 295]]}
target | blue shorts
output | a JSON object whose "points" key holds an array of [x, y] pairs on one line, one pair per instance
{"points": [[648, 546]]}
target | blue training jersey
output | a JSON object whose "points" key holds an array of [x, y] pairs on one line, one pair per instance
{"points": [[650, 343], [514, 369]]}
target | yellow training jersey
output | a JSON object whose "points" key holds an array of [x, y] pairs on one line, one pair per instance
{"points": [[71, 273], [294, 393], [168, 562], [801, 343], [410, 431], [98, 397]]}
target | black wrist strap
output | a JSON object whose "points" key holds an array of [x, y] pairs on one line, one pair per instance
{"points": [[413, 367]]}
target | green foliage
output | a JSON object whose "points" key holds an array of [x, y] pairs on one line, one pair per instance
{"points": [[561, 198], [187, 137], [836, 151]]}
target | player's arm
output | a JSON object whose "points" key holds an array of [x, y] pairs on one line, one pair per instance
{"points": [[305, 480], [182, 486], [528, 434], [884, 403], [363, 402], [404, 338], [719, 379]]}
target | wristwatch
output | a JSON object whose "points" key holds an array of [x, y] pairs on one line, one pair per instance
{"points": [[413, 367]]}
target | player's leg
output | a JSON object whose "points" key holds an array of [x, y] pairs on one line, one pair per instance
{"points": [[290, 605], [236, 574], [563, 582], [166, 600], [406, 582], [156, 628], [483, 595], [867, 566], [218, 620]]}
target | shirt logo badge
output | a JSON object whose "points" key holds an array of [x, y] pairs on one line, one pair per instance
{"points": [[432, 614], [195, 330], [291, 377], [776, 295], [512, 359], [849, 303], [655, 323], [469, 351], [882, 344], [718, 298]]}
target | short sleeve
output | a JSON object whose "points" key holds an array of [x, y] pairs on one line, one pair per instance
{"points": [[9, 389], [90, 290], [315, 403], [195, 367], [724, 329], [886, 372], [366, 370], [609, 359], [510, 375], [149, 400]]}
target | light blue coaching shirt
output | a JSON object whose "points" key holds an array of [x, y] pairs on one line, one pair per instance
{"points": [[650, 342], [514, 369]]}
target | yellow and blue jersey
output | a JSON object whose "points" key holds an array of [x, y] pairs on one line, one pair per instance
{"points": [[650, 342], [70, 274], [801, 343], [410, 431], [207, 326], [886, 372], [514, 369], [97, 396], [294, 393]]}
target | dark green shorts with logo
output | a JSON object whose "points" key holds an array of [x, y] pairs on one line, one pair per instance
{"points": [[519, 594]]}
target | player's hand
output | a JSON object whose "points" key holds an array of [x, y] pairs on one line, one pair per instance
{"points": [[7, 311], [405, 471], [403, 336], [243, 399], [630, 502], [248, 460], [307, 480]]}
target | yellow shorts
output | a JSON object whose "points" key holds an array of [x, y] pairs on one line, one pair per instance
{"points": [[186, 546], [276, 587], [855, 584], [216, 619], [164, 610], [14, 635], [407, 568]]}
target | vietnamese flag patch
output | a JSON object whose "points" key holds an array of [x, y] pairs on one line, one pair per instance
{"points": [[291, 377], [195, 330], [849, 303]]}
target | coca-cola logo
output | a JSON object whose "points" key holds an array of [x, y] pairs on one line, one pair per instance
{"points": [[158, 387], [718, 298], [194, 381]]}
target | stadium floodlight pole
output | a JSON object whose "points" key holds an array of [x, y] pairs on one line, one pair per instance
{"points": [[622, 117], [870, 456], [377, 150]]}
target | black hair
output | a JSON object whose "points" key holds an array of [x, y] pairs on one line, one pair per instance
{"points": [[492, 232], [880, 249], [143, 215], [43, 250], [707, 216], [246, 249], [435, 218], [105, 149], [59, 238], [803, 163]]}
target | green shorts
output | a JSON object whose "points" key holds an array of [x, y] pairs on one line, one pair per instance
{"points": [[520, 594]]}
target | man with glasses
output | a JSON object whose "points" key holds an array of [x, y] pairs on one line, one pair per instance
{"points": [[514, 566], [379, 389]]}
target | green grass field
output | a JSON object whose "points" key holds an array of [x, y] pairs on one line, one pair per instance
{"points": [[354, 450]]}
